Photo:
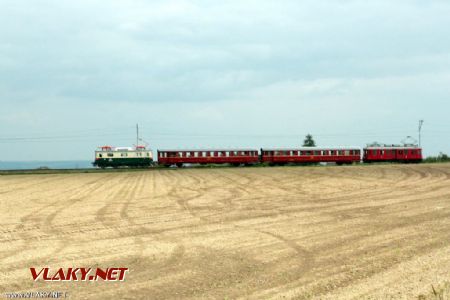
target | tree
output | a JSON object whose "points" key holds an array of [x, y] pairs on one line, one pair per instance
{"points": [[309, 141]]}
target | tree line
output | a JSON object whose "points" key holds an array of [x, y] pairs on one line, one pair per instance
{"points": [[441, 157]]}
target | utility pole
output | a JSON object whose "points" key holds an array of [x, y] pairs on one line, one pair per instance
{"points": [[137, 135], [420, 132]]}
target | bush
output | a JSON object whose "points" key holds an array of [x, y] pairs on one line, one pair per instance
{"points": [[442, 157]]}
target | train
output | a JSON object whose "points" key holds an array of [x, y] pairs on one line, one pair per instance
{"points": [[140, 156], [116, 157]]}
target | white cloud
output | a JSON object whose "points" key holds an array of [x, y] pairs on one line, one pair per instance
{"points": [[229, 68]]}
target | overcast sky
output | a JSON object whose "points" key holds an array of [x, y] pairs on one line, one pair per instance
{"points": [[78, 74]]}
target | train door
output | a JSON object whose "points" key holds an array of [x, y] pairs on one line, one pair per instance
{"points": [[400, 155]]}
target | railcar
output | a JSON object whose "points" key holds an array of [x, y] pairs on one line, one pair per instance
{"points": [[392, 153], [234, 157], [115, 157], [338, 155]]}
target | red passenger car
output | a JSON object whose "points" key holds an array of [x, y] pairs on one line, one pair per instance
{"points": [[222, 156], [392, 153], [340, 155]]}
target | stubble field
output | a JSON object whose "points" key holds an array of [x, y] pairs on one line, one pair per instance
{"points": [[358, 232]]}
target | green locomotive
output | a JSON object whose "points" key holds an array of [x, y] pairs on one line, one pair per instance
{"points": [[115, 157]]}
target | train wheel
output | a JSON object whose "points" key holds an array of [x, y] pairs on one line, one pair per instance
{"points": [[179, 165]]}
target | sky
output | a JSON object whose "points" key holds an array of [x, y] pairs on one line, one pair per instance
{"points": [[75, 75]]}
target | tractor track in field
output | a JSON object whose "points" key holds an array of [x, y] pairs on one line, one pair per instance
{"points": [[39, 223], [34, 221], [253, 233]]}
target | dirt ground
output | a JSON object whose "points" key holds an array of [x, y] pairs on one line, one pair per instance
{"points": [[356, 232]]}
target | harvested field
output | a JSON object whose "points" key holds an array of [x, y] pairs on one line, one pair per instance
{"points": [[358, 232]]}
